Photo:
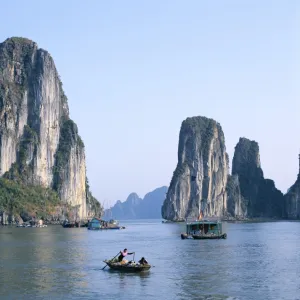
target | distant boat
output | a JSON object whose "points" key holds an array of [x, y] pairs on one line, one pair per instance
{"points": [[204, 230], [31, 226], [99, 224], [67, 224], [79, 224], [169, 221]]}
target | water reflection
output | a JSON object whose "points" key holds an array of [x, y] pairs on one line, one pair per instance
{"points": [[44, 260]]}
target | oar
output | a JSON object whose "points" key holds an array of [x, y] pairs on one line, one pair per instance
{"points": [[111, 259]]}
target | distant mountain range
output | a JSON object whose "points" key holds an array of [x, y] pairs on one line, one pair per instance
{"points": [[137, 208]]}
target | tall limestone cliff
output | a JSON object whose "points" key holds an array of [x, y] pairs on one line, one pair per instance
{"points": [[249, 193], [200, 178], [292, 199], [39, 143]]}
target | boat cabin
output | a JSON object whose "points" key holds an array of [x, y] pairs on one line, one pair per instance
{"points": [[113, 222], [204, 227], [97, 223]]}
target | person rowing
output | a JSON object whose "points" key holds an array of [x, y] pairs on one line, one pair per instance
{"points": [[123, 254]]}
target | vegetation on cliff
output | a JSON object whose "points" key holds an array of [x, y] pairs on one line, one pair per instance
{"points": [[200, 127], [92, 203], [20, 171], [19, 200], [68, 139], [193, 128], [24, 51], [180, 169]]}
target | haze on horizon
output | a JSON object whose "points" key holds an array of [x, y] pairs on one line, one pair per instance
{"points": [[134, 70]]}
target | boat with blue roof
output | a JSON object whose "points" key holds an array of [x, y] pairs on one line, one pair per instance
{"points": [[99, 224]]}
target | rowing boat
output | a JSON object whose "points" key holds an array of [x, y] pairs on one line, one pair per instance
{"points": [[127, 267]]}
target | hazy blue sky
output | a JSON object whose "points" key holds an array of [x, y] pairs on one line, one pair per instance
{"points": [[134, 70]]}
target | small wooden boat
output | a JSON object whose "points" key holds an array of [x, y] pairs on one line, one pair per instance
{"points": [[167, 221], [68, 225], [185, 236], [127, 267]]}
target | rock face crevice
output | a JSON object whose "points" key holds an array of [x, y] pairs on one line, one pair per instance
{"points": [[39, 143], [200, 178], [236, 203]]}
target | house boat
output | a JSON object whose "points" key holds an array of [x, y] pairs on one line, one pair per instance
{"points": [[99, 224], [203, 229]]}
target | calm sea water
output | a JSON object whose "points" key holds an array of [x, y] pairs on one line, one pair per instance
{"points": [[257, 261]]}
